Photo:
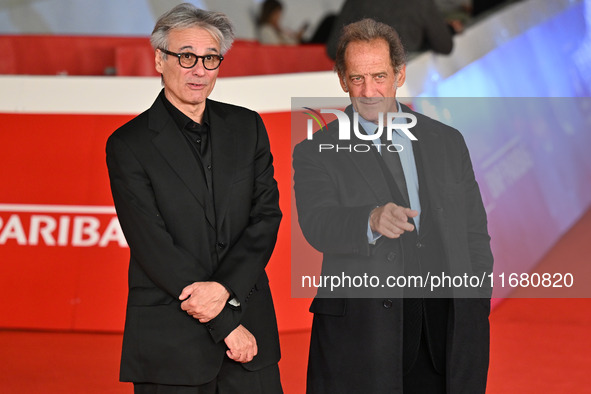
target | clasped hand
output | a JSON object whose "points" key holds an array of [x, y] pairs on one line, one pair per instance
{"points": [[242, 345], [204, 300]]}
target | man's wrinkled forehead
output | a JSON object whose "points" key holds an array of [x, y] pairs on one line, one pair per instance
{"points": [[184, 39], [367, 54]]}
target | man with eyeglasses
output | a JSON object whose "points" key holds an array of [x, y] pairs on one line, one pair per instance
{"points": [[192, 181]]}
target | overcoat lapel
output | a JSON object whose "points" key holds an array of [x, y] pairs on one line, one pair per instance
{"points": [[369, 167], [430, 157], [173, 146], [434, 168]]}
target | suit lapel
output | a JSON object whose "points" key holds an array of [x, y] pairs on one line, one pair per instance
{"points": [[369, 167], [173, 146], [223, 148]]}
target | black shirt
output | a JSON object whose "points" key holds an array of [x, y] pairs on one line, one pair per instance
{"points": [[197, 136]]}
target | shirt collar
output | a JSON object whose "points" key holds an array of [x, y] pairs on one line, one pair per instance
{"points": [[180, 118]]}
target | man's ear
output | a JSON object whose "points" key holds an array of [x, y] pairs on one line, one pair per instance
{"points": [[158, 60], [401, 76]]}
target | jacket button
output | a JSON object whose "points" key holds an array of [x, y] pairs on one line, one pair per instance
{"points": [[420, 245], [387, 304], [391, 256], [221, 245]]}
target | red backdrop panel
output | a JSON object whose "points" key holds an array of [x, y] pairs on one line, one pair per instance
{"points": [[134, 56], [63, 262]]}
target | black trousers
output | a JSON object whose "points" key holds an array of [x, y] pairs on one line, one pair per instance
{"points": [[232, 379], [421, 376]]}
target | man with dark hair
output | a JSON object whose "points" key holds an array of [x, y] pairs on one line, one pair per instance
{"points": [[407, 211], [192, 181]]}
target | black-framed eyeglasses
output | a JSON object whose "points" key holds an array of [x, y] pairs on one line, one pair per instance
{"points": [[189, 60]]}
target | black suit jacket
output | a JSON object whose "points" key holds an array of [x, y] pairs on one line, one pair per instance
{"points": [[160, 195], [356, 344]]}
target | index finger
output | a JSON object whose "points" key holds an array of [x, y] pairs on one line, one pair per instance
{"points": [[411, 213]]}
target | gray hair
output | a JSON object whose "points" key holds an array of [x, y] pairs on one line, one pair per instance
{"points": [[369, 30], [186, 15]]}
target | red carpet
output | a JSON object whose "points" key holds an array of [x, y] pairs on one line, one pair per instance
{"points": [[544, 345], [537, 345]]}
